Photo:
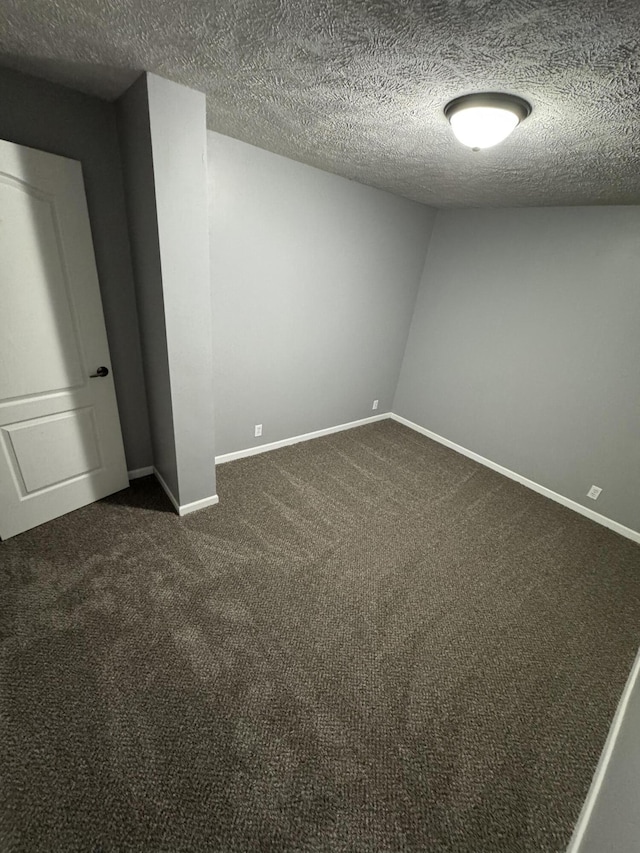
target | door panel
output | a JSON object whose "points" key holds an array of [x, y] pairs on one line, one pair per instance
{"points": [[60, 440], [37, 308], [28, 447]]}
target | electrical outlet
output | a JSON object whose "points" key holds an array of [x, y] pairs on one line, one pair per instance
{"points": [[375, 406], [594, 492], [258, 431]]}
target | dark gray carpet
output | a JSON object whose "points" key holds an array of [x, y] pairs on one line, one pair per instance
{"points": [[371, 644]]}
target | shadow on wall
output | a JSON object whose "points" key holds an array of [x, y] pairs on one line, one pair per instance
{"points": [[102, 81]]}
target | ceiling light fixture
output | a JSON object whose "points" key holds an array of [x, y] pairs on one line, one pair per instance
{"points": [[485, 119]]}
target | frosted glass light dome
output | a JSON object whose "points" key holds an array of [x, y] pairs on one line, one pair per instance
{"points": [[483, 120]]}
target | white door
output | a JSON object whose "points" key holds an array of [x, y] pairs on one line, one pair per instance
{"points": [[60, 439]]}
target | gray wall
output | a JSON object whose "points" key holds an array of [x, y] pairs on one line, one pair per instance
{"points": [[55, 119], [314, 281], [525, 345], [163, 139], [137, 162], [179, 144]]}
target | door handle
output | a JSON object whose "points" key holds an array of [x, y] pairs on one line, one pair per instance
{"points": [[101, 371]]}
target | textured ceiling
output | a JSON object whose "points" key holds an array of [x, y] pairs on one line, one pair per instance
{"points": [[357, 87]]}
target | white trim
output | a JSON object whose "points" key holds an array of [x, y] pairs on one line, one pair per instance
{"points": [[628, 532], [274, 445], [140, 472], [605, 758], [184, 509]]}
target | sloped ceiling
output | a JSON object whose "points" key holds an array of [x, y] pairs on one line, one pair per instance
{"points": [[357, 87]]}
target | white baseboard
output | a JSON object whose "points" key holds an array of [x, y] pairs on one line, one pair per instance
{"points": [[603, 764], [140, 472], [628, 532], [203, 503], [184, 509], [274, 445]]}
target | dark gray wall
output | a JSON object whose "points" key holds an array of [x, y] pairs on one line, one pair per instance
{"points": [[524, 347], [137, 161], [314, 282], [179, 145], [56, 119]]}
